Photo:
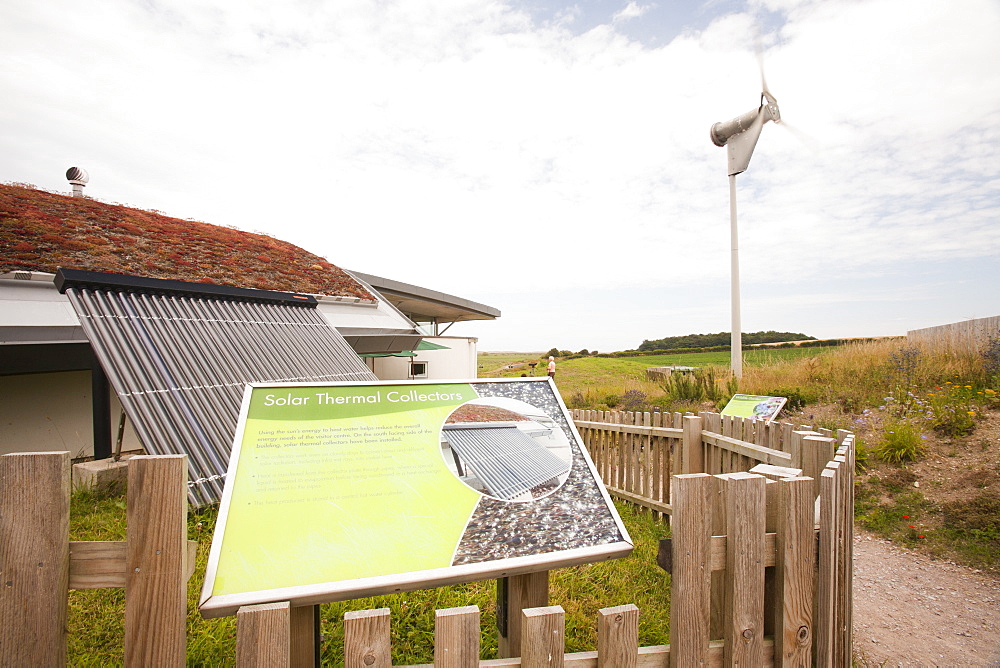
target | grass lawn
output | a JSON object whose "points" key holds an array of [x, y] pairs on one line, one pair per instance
{"points": [[96, 617]]}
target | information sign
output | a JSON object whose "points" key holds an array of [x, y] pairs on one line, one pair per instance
{"points": [[755, 407], [338, 491]]}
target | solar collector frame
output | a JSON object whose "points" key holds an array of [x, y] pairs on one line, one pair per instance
{"points": [[179, 361]]}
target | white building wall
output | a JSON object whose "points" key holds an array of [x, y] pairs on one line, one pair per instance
{"points": [[51, 412], [458, 362]]}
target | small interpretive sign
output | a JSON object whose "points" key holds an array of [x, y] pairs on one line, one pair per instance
{"points": [[754, 406], [337, 491]]}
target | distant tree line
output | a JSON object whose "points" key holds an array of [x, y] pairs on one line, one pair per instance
{"points": [[720, 339]]}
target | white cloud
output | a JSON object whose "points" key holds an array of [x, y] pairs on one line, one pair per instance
{"points": [[632, 10], [457, 145]]}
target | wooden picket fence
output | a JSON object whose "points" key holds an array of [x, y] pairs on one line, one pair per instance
{"points": [[637, 453], [761, 576], [761, 566]]}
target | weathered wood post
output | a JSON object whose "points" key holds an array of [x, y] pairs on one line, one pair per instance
{"points": [[263, 636], [456, 637], [34, 558], [691, 576], [815, 451], [366, 639], [795, 563], [618, 637], [743, 625], [543, 643], [156, 561], [692, 456]]}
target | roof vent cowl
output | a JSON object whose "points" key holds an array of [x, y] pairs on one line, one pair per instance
{"points": [[78, 178]]}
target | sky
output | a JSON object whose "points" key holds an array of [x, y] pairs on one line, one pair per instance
{"points": [[547, 158]]}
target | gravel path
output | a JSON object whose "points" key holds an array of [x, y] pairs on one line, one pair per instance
{"points": [[910, 610]]}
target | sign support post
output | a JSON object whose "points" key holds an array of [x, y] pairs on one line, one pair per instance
{"points": [[514, 594]]}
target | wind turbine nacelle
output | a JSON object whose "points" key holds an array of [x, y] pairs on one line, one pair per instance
{"points": [[741, 133], [722, 132]]}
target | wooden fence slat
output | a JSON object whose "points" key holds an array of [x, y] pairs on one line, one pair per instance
{"points": [[744, 614], [690, 599], [645, 481], [543, 644], [156, 558], [618, 637], [633, 462], [263, 636], [366, 639], [842, 553], [102, 564], [456, 637], [847, 508], [754, 452], [826, 577], [795, 563], [658, 447], [34, 558]]}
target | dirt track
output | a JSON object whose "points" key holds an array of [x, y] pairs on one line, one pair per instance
{"points": [[910, 610]]}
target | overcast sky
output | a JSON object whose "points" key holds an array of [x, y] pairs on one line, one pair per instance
{"points": [[546, 158]]}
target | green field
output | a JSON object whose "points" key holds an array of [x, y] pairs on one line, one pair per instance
{"points": [[492, 365]]}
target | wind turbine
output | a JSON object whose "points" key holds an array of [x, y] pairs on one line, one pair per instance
{"points": [[740, 136]]}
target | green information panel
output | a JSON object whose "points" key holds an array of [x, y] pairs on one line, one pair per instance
{"points": [[754, 406], [337, 491]]}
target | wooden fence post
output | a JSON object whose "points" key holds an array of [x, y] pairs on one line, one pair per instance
{"points": [[618, 637], [456, 637], [692, 456], [744, 613], [34, 558], [156, 561], [825, 605], [543, 644], [691, 577], [515, 594], [816, 452], [366, 639], [795, 563], [263, 636]]}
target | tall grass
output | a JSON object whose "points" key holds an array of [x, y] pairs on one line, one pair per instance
{"points": [[853, 377], [861, 375]]}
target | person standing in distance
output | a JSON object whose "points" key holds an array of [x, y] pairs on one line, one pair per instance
{"points": [[552, 367]]}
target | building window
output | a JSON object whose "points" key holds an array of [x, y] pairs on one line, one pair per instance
{"points": [[418, 369], [426, 327]]}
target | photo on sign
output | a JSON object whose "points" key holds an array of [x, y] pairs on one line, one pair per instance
{"points": [[506, 449]]}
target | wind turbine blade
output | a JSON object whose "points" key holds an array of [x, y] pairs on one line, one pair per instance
{"points": [[760, 66], [807, 139]]}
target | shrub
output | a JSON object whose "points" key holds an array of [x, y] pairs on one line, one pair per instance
{"points": [[702, 385], [901, 442], [634, 400], [991, 358], [797, 399], [953, 409]]}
